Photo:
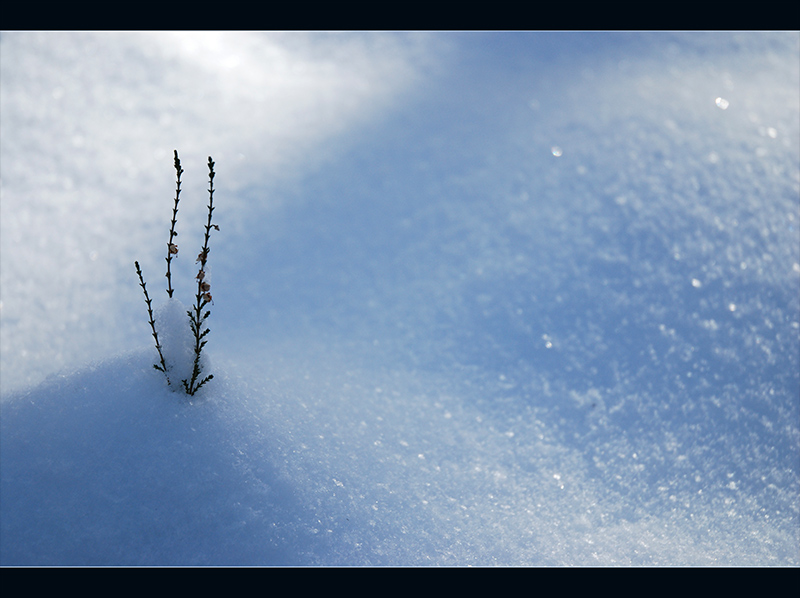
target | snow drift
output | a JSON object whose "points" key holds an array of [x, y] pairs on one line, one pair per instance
{"points": [[537, 306]]}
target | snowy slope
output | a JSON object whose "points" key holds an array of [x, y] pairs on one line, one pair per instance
{"points": [[515, 299]]}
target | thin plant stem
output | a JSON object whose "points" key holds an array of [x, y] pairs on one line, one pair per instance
{"points": [[196, 315], [163, 366], [172, 248]]}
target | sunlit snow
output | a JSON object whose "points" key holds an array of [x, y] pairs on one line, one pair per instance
{"points": [[479, 299]]}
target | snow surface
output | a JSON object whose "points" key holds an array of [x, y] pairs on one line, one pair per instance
{"points": [[479, 299]]}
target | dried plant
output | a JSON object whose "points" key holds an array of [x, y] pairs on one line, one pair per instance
{"points": [[172, 248], [163, 366], [198, 314]]}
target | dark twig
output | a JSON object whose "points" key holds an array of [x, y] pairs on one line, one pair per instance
{"points": [[196, 315], [172, 248], [163, 366]]}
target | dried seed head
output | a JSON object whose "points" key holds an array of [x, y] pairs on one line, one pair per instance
{"points": [[205, 287], [173, 249]]}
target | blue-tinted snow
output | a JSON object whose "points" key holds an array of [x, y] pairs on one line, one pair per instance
{"points": [[435, 340]]}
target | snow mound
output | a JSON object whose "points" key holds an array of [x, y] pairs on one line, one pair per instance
{"points": [[177, 342]]}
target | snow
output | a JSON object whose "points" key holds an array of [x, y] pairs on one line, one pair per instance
{"points": [[177, 341], [479, 299]]}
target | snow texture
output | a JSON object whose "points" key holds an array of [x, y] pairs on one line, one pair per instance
{"points": [[177, 341], [479, 299]]}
